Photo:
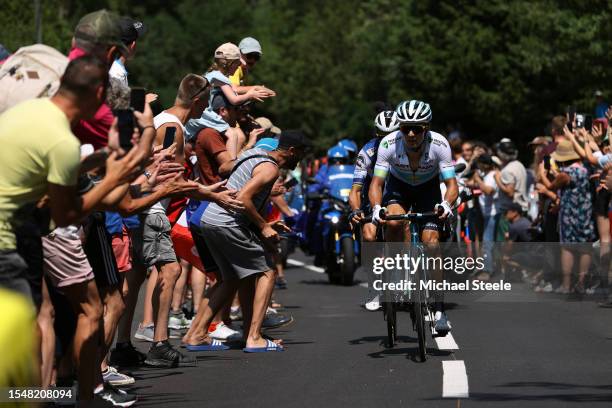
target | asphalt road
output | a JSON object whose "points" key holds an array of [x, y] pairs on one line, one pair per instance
{"points": [[523, 350]]}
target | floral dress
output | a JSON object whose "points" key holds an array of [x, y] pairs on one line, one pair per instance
{"points": [[576, 207]]}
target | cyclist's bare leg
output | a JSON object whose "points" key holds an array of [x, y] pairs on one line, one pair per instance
{"points": [[395, 231], [369, 232]]}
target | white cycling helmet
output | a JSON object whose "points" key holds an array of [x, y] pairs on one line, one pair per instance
{"points": [[386, 121], [413, 111]]}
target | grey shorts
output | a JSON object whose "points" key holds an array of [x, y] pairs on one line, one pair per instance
{"points": [[237, 251], [151, 242]]}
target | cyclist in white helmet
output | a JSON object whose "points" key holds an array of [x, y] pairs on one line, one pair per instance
{"points": [[385, 123], [412, 161]]}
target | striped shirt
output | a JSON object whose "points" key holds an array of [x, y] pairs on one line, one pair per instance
{"points": [[216, 215]]}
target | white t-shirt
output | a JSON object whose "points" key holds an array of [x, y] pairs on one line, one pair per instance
{"points": [[488, 202], [118, 72], [158, 121], [514, 173]]}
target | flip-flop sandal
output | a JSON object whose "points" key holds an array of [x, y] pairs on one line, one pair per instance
{"points": [[270, 346], [216, 345]]}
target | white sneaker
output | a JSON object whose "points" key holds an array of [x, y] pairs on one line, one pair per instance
{"points": [[271, 311], [374, 304], [145, 332], [178, 322], [225, 333]]}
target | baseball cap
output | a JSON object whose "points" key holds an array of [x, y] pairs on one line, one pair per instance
{"points": [[101, 27], [248, 45], [228, 51], [293, 138], [267, 124], [131, 29], [267, 143]]}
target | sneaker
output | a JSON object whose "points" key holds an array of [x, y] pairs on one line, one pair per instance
{"points": [[442, 325], [281, 283], [175, 334], [115, 378], [271, 311], [276, 320], [162, 354], [145, 333], [544, 287], [115, 396], [562, 291], [374, 304], [607, 304], [225, 333], [178, 321], [235, 313], [126, 355]]}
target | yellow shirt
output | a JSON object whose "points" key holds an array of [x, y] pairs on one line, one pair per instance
{"points": [[37, 147], [237, 77], [17, 334]]}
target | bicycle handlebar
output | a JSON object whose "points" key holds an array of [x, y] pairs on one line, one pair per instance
{"points": [[404, 217]]}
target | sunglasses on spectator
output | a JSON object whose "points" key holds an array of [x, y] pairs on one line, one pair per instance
{"points": [[412, 128], [253, 56]]}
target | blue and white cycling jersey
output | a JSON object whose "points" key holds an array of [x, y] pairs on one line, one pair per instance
{"points": [[364, 166], [436, 159]]}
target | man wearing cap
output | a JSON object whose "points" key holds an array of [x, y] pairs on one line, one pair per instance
{"points": [[131, 30], [98, 34], [238, 242]]}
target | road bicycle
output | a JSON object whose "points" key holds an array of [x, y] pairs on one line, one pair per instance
{"points": [[415, 298]]}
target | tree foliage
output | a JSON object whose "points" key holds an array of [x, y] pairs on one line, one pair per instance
{"points": [[499, 68]]}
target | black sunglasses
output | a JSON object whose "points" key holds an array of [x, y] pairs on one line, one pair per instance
{"points": [[412, 128], [253, 56]]}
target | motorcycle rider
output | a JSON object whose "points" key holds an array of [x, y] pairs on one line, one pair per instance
{"points": [[335, 156]]}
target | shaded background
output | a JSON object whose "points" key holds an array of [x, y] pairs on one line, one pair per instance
{"points": [[494, 68]]}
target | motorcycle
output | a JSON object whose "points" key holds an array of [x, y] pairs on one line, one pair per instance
{"points": [[338, 248]]}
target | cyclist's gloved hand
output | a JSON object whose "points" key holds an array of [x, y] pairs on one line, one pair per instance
{"points": [[356, 216], [444, 209], [376, 214]]}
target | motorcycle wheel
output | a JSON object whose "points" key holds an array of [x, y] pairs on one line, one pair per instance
{"points": [[347, 267]]}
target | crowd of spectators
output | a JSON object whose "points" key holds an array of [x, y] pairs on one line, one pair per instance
{"points": [[88, 212], [562, 197]]}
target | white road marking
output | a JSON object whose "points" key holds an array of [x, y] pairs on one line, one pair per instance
{"points": [[446, 343], [305, 266], [454, 380]]}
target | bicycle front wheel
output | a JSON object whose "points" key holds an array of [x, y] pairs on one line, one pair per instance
{"points": [[419, 305]]}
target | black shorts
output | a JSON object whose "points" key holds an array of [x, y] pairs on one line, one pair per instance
{"points": [[100, 253], [601, 205], [421, 198]]}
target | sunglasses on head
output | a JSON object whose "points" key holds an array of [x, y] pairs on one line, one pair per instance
{"points": [[412, 128], [253, 56]]}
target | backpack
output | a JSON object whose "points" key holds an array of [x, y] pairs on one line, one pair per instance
{"points": [[31, 72]]}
